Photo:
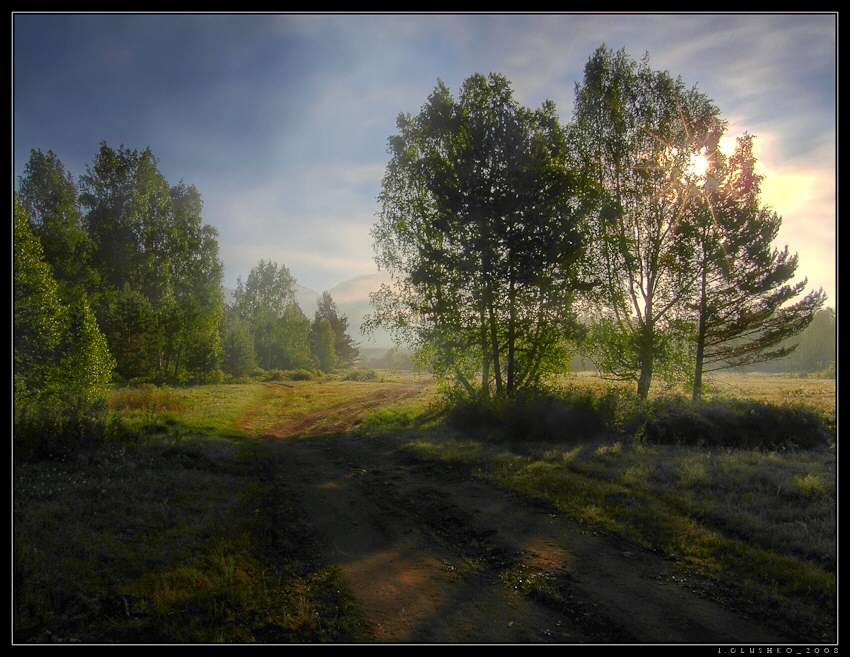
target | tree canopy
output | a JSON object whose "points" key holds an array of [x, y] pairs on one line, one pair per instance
{"points": [[636, 133], [266, 304], [479, 229], [135, 251], [329, 339]]}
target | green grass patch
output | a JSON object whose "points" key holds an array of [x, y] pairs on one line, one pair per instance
{"points": [[169, 536]]}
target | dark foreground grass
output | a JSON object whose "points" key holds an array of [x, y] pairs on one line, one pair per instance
{"points": [[167, 542], [185, 535], [756, 527]]}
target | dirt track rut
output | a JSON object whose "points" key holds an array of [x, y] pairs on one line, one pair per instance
{"points": [[435, 555]]}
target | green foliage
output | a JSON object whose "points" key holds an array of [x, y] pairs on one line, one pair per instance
{"points": [[479, 231], [740, 424], [62, 361], [267, 307], [329, 339], [297, 375], [745, 308], [49, 195], [238, 359], [634, 132], [56, 426], [323, 339], [85, 361], [288, 375], [159, 299], [39, 317], [361, 374], [579, 414]]}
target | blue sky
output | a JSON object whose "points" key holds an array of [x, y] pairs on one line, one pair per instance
{"points": [[281, 120]]}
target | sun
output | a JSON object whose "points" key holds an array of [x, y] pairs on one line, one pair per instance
{"points": [[698, 166]]}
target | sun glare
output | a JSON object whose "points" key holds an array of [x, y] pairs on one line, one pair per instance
{"points": [[698, 166]]}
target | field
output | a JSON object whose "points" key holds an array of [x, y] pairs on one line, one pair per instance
{"points": [[352, 512]]}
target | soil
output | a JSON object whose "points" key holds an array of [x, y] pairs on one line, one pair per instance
{"points": [[433, 554]]}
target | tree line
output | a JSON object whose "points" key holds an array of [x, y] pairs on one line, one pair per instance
{"points": [[627, 235], [117, 279], [514, 243]]}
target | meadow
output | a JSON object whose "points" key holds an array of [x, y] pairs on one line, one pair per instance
{"points": [[180, 533]]}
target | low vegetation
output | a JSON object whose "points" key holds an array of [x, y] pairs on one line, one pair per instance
{"points": [[165, 531]]}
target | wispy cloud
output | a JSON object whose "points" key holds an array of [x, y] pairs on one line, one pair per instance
{"points": [[282, 120]]}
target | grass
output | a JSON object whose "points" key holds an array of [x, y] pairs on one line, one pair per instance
{"points": [[172, 536], [758, 526], [164, 543]]}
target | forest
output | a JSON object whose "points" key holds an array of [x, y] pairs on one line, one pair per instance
{"points": [[518, 245]]}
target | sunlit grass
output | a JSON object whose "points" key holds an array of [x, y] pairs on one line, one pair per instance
{"points": [[763, 521], [160, 539]]}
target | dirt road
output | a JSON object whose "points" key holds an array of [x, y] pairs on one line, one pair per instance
{"points": [[436, 555]]}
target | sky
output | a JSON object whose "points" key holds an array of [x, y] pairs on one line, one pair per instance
{"points": [[282, 120]]}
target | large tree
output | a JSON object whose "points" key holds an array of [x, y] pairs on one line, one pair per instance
{"points": [[745, 303], [266, 303], [479, 232], [160, 301], [636, 134], [193, 340]]}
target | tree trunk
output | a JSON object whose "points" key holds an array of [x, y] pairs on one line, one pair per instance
{"points": [[485, 356], [701, 330], [494, 342], [645, 379], [647, 356], [511, 333]]}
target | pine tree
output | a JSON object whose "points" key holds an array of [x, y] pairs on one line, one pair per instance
{"points": [[745, 309]]}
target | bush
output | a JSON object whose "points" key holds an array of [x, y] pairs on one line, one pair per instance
{"points": [[289, 375], [54, 428], [744, 424], [531, 416], [578, 413], [361, 374], [300, 375]]}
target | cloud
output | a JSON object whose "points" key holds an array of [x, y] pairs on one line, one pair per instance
{"points": [[281, 120]]}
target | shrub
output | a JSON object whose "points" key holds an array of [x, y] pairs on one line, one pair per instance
{"points": [[576, 414], [361, 374], [299, 375], [745, 424], [289, 375], [531, 416], [54, 427]]}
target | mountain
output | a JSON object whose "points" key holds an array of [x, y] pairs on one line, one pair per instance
{"points": [[352, 300]]}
